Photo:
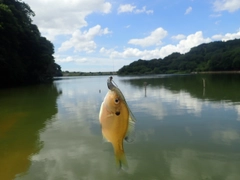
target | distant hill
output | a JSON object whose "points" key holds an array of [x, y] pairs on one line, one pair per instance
{"points": [[75, 73], [213, 56]]}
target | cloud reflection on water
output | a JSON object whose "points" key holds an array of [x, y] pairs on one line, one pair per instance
{"points": [[186, 164], [191, 141]]}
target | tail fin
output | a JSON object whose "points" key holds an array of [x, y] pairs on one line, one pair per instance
{"points": [[121, 160]]}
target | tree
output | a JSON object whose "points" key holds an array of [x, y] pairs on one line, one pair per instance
{"points": [[214, 56], [25, 56]]}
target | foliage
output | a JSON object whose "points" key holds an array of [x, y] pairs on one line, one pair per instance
{"points": [[25, 56], [67, 73], [214, 56]]}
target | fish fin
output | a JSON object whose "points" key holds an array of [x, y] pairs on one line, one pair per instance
{"points": [[131, 116], [100, 113], [130, 136], [121, 161]]}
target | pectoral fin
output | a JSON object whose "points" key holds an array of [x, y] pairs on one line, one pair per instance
{"points": [[130, 136]]}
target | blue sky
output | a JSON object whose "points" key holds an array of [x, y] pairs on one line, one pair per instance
{"points": [[104, 35]]}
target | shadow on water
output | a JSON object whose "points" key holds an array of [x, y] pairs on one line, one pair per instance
{"points": [[24, 113], [217, 86]]}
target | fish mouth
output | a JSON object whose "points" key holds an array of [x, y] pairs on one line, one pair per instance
{"points": [[110, 85]]}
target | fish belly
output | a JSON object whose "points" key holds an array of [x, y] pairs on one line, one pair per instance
{"points": [[114, 127]]}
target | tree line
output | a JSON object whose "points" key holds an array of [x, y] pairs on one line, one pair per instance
{"points": [[26, 57], [213, 56]]}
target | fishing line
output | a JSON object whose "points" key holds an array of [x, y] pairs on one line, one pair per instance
{"points": [[113, 65], [114, 83], [111, 80]]}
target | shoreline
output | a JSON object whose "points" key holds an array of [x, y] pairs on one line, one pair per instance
{"points": [[217, 72], [115, 73]]}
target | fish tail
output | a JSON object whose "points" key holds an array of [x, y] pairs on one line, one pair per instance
{"points": [[120, 157], [121, 161]]}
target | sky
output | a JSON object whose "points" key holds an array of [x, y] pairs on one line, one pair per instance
{"points": [[105, 35]]}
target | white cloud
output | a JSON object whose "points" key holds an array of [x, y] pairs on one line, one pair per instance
{"points": [[178, 37], [154, 39], [192, 40], [226, 5], [106, 51], [226, 37], [93, 63], [55, 17], [83, 41], [131, 8], [71, 59], [188, 10], [117, 59], [126, 8], [143, 10], [183, 46]]}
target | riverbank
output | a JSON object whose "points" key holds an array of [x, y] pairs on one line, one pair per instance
{"points": [[67, 73], [217, 72]]}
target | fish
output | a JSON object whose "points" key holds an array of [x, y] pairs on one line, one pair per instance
{"points": [[117, 122]]}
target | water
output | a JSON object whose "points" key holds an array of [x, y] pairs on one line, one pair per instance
{"points": [[183, 131]]}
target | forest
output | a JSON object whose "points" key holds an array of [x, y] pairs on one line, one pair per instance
{"points": [[213, 56], [25, 56]]}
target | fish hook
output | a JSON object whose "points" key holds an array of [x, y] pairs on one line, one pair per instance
{"points": [[110, 84]]}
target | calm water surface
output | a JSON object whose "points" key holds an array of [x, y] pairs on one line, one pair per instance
{"points": [[183, 131]]}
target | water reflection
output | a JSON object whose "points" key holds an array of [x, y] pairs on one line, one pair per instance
{"points": [[180, 134], [193, 127], [187, 93], [186, 164], [24, 113], [217, 86], [73, 147]]}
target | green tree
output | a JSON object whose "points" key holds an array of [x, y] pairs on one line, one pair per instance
{"points": [[25, 56], [214, 56]]}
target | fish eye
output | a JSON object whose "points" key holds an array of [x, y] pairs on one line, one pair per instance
{"points": [[116, 101]]}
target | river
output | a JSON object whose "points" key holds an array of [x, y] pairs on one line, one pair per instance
{"points": [[183, 130]]}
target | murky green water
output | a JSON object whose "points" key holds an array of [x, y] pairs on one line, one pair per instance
{"points": [[183, 131]]}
